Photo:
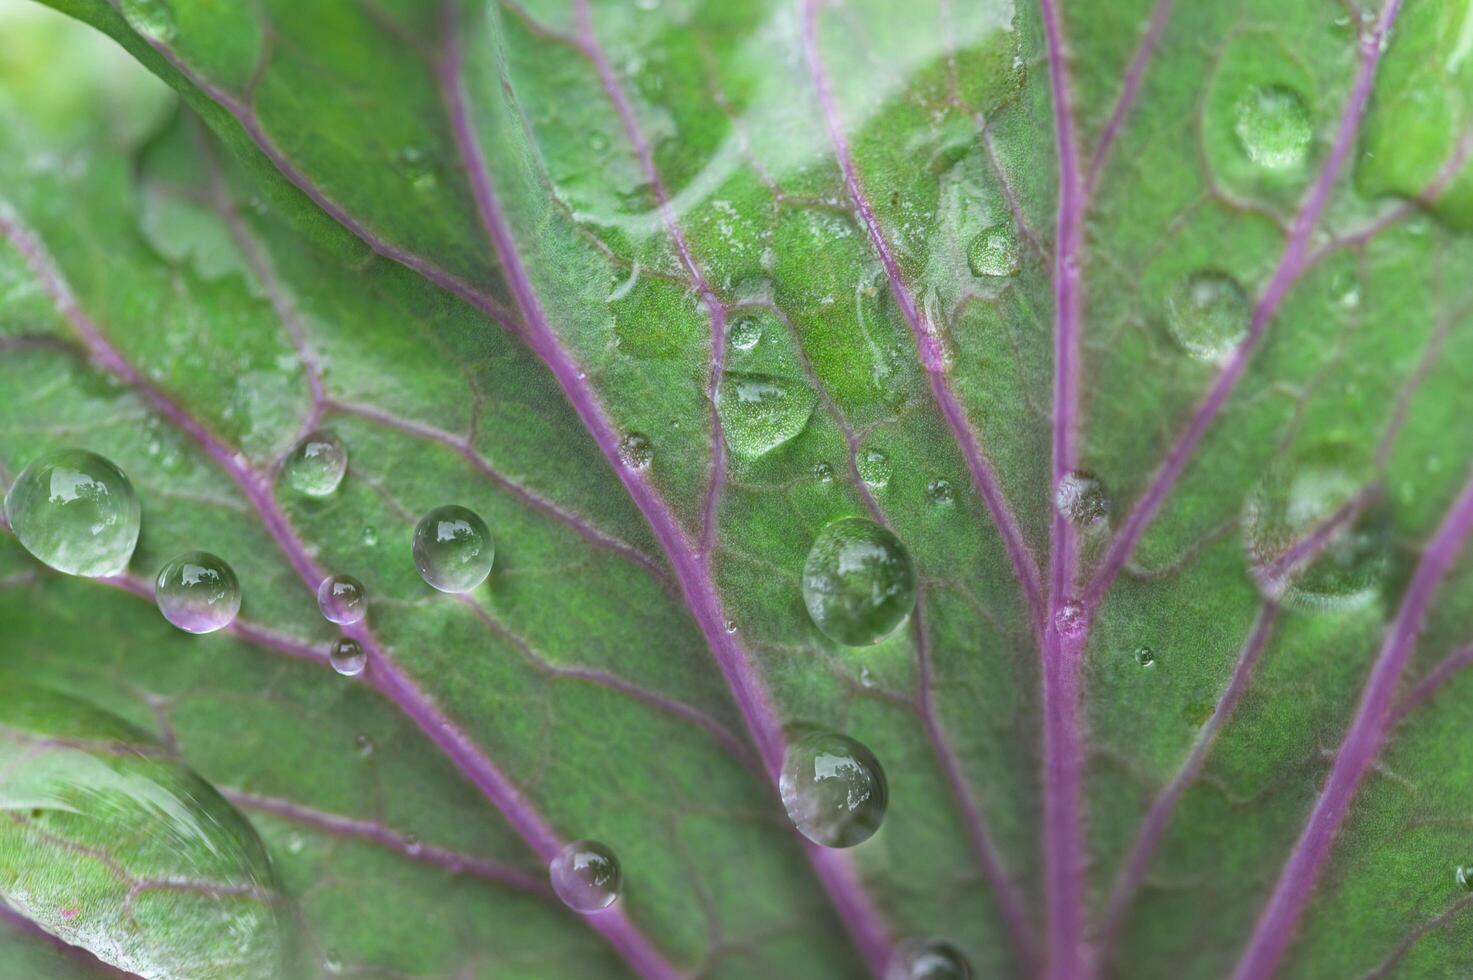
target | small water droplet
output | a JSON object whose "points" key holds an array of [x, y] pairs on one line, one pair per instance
{"points": [[1463, 875], [833, 789], [858, 582], [636, 451], [418, 167], [1145, 656], [759, 412], [363, 744], [1082, 499], [994, 253], [1273, 127], [412, 844], [746, 333], [586, 876], [1208, 314], [866, 677], [453, 549], [731, 626], [342, 599], [1069, 620], [940, 491], [347, 656], [154, 19], [370, 537], [823, 472], [1345, 289], [294, 843], [76, 512], [197, 592], [874, 468], [316, 465], [928, 959]]}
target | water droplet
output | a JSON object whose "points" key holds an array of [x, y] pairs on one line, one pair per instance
{"points": [[1208, 314], [347, 656], [418, 167], [746, 333], [1082, 499], [759, 413], [1145, 656], [412, 844], [154, 19], [823, 472], [370, 537], [586, 876], [316, 465], [833, 789], [1069, 620], [363, 744], [1273, 127], [453, 549], [940, 492], [342, 599], [197, 592], [636, 451], [928, 959], [874, 468], [731, 626], [76, 512], [866, 678], [858, 582], [1463, 875], [1345, 289], [994, 253]]}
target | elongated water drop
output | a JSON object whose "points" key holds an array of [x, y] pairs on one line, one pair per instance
{"points": [[833, 789], [76, 512], [759, 412], [1208, 314], [197, 592], [586, 876], [347, 656], [928, 959], [154, 19], [1273, 127], [858, 582], [453, 549], [316, 465], [1081, 499], [994, 253], [342, 599]]}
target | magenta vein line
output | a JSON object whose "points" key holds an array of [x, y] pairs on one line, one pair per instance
{"points": [[834, 870], [1134, 74], [1428, 686], [1280, 916]]}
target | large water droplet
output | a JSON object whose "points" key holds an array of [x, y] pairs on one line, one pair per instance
{"points": [[347, 656], [453, 549], [874, 468], [1082, 499], [1208, 314], [759, 412], [746, 333], [76, 512], [994, 253], [1310, 541], [197, 592], [586, 876], [636, 451], [928, 959], [833, 789], [858, 582], [1273, 127], [316, 465], [154, 19], [342, 599]]}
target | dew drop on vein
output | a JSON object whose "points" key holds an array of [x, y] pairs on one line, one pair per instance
{"points": [[1082, 500], [586, 876], [927, 959], [859, 583], [833, 789], [198, 592], [316, 465], [342, 599], [347, 657], [1070, 620], [76, 512], [453, 549]]}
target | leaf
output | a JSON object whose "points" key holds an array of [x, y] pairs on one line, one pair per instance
{"points": [[1198, 260]]}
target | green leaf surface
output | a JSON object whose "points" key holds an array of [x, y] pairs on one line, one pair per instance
{"points": [[1140, 325]]}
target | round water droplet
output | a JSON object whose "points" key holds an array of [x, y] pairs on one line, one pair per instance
{"points": [[342, 599], [1311, 541], [1145, 656], [1463, 875], [1273, 127], [874, 468], [1069, 620], [1082, 500], [1208, 314], [347, 656], [858, 582], [197, 592], [833, 789], [453, 549], [370, 537], [940, 492], [316, 465], [823, 472], [759, 412], [994, 253], [586, 876], [153, 19], [746, 333], [76, 512], [636, 451], [928, 959]]}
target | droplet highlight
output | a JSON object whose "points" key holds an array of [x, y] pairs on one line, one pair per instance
{"points": [[759, 412], [453, 549], [347, 657], [874, 468], [940, 492], [315, 467], [833, 789], [197, 592], [1081, 499], [1145, 656], [859, 583], [1273, 127], [928, 959], [586, 876], [994, 253], [342, 599], [76, 512], [1208, 315]]}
